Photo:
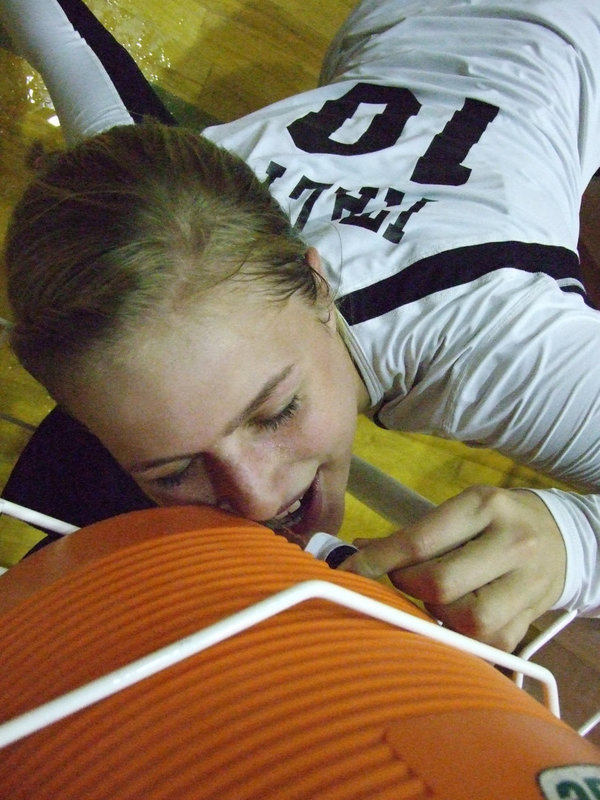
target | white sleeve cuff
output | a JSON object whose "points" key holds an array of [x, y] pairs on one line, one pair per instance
{"points": [[578, 517]]}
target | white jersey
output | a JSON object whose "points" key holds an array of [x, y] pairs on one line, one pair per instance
{"points": [[439, 171]]}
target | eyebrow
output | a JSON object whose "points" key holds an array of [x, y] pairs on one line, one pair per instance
{"points": [[263, 395]]}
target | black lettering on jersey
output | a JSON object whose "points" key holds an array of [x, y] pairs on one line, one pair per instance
{"points": [[441, 164], [357, 213], [312, 133], [350, 209], [314, 189], [274, 171], [395, 231]]}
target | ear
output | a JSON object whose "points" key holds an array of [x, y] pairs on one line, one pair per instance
{"points": [[313, 259]]}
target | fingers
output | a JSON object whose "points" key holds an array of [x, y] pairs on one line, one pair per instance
{"points": [[486, 563], [494, 552], [444, 528], [493, 614]]}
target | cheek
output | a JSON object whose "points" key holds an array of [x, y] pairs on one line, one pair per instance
{"points": [[335, 401], [327, 429]]}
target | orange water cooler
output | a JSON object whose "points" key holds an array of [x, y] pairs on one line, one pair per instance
{"points": [[185, 653]]}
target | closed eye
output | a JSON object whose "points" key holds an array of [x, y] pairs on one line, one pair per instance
{"points": [[273, 423], [174, 479], [279, 419]]}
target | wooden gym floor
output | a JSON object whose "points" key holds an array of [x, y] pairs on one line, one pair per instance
{"points": [[225, 58]]}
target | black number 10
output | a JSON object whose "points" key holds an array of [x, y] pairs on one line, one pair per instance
{"points": [[440, 164]]}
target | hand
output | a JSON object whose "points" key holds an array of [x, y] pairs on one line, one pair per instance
{"points": [[486, 563]]}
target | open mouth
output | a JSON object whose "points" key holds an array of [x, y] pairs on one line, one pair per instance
{"points": [[297, 513]]}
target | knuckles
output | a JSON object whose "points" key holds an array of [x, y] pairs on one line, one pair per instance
{"points": [[421, 548], [475, 621], [489, 501], [435, 582], [505, 510], [478, 621]]}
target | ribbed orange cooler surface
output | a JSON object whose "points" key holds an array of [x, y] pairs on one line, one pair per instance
{"points": [[317, 702]]}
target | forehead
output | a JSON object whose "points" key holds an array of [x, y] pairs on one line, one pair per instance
{"points": [[180, 382]]}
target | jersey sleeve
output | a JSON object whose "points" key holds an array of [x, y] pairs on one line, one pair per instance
{"points": [[94, 84], [549, 417], [519, 372], [578, 517]]}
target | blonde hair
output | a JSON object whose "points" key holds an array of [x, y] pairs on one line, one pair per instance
{"points": [[136, 222]]}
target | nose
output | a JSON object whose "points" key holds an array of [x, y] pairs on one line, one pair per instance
{"points": [[246, 483]]}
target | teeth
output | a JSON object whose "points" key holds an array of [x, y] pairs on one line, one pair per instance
{"points": [[291, 510]]}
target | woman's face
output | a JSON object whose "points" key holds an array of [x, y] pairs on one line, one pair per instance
{"points": [[250, 406]]}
